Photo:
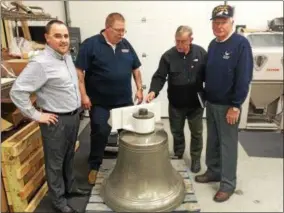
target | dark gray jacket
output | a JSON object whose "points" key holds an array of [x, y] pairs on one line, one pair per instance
{"points": [[184, 73]]}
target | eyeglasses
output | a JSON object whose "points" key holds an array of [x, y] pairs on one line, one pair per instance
{"points": [[123, 31]]}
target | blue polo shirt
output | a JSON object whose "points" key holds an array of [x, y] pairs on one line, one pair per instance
{"points": [[107, 72]]}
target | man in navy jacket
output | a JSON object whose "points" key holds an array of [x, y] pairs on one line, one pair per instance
{"points": [[227, 77], [109, 62]]}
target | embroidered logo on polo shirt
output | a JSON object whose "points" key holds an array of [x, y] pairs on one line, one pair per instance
{"points": [[125, 50], [226, 55]]}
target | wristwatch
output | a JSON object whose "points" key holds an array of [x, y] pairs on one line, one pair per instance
{"points": [[142, 87]]}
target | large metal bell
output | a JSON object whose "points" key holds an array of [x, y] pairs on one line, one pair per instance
{"points": [[143, 179]]}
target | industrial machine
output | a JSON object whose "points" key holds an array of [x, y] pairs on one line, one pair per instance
{"points": [[263, 108], [143, 179]]}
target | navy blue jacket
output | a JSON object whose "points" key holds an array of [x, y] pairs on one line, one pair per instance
{"points": [[228, 71]]}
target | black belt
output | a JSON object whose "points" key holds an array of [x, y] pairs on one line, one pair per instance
{"points": [[62, 113]]}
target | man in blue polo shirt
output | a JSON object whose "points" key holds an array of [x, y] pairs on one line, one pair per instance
{"points": [[109, 62], [227, 78]]}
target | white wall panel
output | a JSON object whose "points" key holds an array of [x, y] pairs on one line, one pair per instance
{"points": [[152, 37], [156, 35]]}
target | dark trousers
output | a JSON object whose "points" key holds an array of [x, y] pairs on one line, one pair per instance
{"points": [[177, 117], [59, 149], [100, 131], [222, 146]]}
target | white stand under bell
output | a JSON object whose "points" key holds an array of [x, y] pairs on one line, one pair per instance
{"points": [[124, 118]]}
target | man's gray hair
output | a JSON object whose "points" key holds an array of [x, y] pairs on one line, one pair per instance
{"points": [[184, 29]]}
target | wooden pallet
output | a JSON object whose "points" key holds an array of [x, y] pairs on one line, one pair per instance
{"points": [[23, 169]]}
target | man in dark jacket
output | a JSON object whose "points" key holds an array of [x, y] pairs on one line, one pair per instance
{"points": [[183, 65], [227, 78]]}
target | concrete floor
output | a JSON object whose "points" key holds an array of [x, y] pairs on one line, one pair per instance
{"points": [[260, 181]]}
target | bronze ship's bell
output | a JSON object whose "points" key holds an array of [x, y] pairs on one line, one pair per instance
{"points": [[143, 179]]}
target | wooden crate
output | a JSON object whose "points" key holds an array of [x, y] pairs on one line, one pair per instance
{"points": [[4, 201], [23, 168]]}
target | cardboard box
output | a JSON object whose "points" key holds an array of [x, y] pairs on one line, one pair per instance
{"points": [[5, 125], [17, 65], [12, 114]]}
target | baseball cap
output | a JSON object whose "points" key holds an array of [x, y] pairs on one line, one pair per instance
{"points": [[222, 11]]}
